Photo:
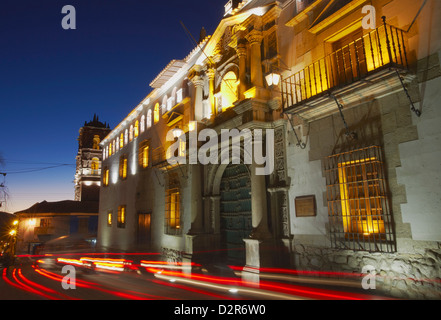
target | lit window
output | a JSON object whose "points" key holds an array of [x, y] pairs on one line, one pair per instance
{"points": [[107, 152], [95, 165], [173, 214], [96, 142], [121, 140], [109, 218], [357, 202], [156, 113], [149, 118], [169, 103], [144, 154], [117, 144], [229, 90], [126, 137], [179, 96], [136, 129], [131, 133], [106, 177], [142, 123], [121, 216], [123, 167]]}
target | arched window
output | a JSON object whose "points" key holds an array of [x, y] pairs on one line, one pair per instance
{"points": [[156, 113], [136, 129], [164, 104], [95, 166], [96, 142], [229, 90], [117, 144], [126, 137], [121, 140], [142, 123], [131, 133], [110, 149], [149, 118]]}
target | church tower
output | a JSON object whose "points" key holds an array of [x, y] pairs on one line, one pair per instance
{"points": [[88, 160]]}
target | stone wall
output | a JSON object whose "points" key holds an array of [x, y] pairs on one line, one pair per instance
{"points": [[398, 275]]}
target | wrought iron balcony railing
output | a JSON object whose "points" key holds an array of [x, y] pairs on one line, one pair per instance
{"points": [[384, 47]]}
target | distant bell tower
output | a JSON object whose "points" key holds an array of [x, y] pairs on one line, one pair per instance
{"points": [[89, 159]]}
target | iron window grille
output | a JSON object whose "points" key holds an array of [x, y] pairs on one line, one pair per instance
{"points": [[358, 207]]}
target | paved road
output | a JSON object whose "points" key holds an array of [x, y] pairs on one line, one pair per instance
{"points": [[38, 279]]}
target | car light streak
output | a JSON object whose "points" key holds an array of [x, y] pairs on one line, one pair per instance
{"points": [[266, 288], [168, 265], [30, 289], [41, 287], [89, 285]]}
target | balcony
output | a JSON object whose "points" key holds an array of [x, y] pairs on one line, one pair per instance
{"points": [[357, 68]]}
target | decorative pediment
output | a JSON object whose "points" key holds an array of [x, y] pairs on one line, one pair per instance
{"points": [[174, 118]]}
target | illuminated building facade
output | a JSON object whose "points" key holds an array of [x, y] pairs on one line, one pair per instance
{"points": [[355, 122]]}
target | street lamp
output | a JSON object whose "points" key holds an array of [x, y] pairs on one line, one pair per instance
{"points": [[272, 79]]}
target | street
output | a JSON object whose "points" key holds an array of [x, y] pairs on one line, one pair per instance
{"points": [[111, 277]]}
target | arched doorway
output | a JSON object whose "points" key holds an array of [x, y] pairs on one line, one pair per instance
{"points": [[235, 212]]}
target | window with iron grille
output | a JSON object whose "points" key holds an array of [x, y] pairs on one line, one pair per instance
{"points": [[173, 221], [121, 223], [357, 201], [173, 212]]}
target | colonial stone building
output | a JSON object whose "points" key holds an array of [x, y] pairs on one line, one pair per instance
{"points": [[346, 94]]}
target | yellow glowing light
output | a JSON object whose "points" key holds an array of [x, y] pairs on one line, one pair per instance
{"points": [[354, 220], [12, 232], [15, 222], [229, 90], [156, 113]]}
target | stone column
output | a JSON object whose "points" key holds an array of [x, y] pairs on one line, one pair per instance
{"points": [[211, 73], [198, 83], [242, 54], [258, 205], [255, 38]]}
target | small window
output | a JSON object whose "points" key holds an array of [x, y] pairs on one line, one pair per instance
{"points": [[121, 140], [121, 217], [96, 142], [95, 166], [136, 129], [131, 133], [126, 137], [142, 123], [106, 177], [109, 218], [123, 167], [144, 154], [149, 118], [156, 113], [173, 212]]}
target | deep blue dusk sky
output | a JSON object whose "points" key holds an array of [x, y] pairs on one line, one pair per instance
{"points": [[53, 80]]}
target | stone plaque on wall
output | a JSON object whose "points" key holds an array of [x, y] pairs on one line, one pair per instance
{"points": [[305, 206]]}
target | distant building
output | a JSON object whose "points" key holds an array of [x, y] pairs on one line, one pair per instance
{"points": [[73, 223], [66, 224], [88, 160]]}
